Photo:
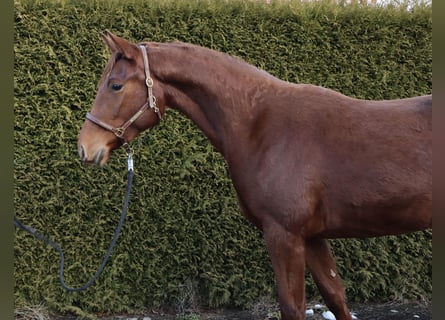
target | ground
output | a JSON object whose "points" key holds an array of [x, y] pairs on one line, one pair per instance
{"points": [[388, 311]]}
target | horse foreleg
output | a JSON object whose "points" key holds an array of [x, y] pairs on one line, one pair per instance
{"points": [[322, 266], [287, 254]]}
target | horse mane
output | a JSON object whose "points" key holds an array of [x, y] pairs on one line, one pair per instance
{"points": [[198, 53]]}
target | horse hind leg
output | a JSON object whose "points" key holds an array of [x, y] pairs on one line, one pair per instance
{"points": [[287, 254], [322, 266]]}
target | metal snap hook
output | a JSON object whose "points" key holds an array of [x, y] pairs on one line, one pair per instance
{"points": [[127, 148], [130, 162]]}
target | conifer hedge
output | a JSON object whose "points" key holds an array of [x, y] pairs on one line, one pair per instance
{"points": [[184, 241]]}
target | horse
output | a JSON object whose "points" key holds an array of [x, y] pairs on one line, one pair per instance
{"points": [[308, 163]]}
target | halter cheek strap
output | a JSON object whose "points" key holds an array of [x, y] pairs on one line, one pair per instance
{"points": [[149, 83], [150, 103]]}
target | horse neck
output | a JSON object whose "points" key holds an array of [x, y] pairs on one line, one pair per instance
{"points": [[214, 90]]}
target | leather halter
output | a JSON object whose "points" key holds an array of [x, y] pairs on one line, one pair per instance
{"points": [[150, 103]]}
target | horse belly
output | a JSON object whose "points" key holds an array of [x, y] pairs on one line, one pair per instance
{"points": [[380, 191], [373, 220]]}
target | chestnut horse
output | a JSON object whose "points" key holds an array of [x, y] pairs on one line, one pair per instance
{"points": [[307, 163]]}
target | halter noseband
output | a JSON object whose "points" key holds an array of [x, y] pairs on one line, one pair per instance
{"points": [[151, 103]]}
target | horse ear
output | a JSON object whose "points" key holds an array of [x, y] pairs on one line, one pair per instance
{"points": [[119, 45], [109, 40]]}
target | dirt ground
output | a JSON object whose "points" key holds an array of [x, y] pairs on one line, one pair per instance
{"points": [[388, 311]]}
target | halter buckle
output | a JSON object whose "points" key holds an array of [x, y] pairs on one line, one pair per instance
{"points": [[119, 132], [149, 82]]}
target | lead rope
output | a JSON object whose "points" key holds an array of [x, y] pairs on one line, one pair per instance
{"points": [[48, 241]]}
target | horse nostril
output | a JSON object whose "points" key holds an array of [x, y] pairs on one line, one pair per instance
{"points": [[82, 154], [99, 156]]}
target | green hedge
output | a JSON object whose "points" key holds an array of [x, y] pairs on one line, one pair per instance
{"points": [[184, 233]]}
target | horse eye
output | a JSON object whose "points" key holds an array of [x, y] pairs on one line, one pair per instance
{"points": [[116, 86]]}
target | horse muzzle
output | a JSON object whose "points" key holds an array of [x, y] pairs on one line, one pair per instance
{"points": [[98, 157]]}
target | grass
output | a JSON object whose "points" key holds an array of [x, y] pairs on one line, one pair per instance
{"points": [[35, 312], [188, 316]]}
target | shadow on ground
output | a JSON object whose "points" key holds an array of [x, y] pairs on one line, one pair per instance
{"points": [[388, 311]]}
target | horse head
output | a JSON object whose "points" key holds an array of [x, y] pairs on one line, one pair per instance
{"points": [[125, 103]]}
